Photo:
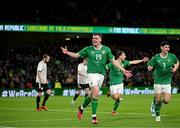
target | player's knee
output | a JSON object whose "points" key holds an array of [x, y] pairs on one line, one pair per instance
{"points": [[86, 92], [165, 101], [115, 97], [96, 91], [78, 92], [158, 100], [48, 91], [39, 94], [95, 95]]}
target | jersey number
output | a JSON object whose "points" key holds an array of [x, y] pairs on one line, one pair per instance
{"points": [[164, 65], [98, 57]]}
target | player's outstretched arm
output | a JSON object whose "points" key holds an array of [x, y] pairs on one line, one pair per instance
{"points": [[145, 59], [71, 54], [127, 73]]}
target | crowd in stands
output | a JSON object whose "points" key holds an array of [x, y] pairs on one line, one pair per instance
{"points": [[126, 13], [18, 64]]}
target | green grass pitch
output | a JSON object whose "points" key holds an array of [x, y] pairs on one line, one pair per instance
{"points": [[134, 111]]}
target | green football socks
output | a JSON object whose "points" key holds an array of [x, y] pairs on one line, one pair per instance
{"points": [[116, 105], [94, 103], [158, 108]]}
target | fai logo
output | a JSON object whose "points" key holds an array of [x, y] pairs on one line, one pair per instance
{"points": [[103, 52]]}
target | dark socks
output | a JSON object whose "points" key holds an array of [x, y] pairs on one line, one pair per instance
{"points": [[38, 99], [75, 97], [45, 99]]}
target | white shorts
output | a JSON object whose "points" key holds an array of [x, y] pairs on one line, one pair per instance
{"points": [[95, 79], [159, 88], [118, 88]]}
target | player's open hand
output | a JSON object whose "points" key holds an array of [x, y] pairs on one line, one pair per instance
{"points": [[128, 74], [64, 50], [145, 59]]}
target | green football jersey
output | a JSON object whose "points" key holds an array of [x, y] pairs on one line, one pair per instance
{"points": [[96, 58], [163, 68], [116, 75]]}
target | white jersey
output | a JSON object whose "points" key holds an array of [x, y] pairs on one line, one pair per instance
{"points": [[42, 69], [82, 74]]}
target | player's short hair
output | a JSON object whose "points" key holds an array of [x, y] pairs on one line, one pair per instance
{"points": [[99, 34], [119, 53], [164, 43], [45, 55]]}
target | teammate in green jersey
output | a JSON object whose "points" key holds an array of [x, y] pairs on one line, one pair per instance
{"points": [[116, 77], [164, 65], [97, 55]]}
